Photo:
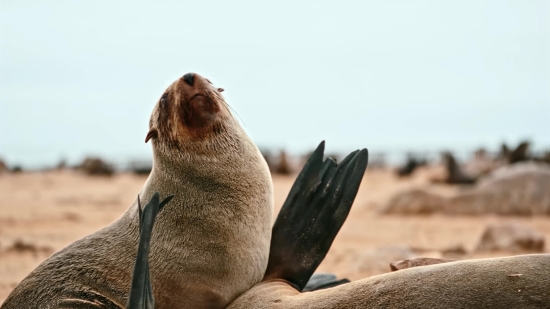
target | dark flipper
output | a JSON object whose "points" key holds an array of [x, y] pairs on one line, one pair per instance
{"points": [[323, 281], [141, 292], [313, 213]]}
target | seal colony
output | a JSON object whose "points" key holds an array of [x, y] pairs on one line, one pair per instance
{"points": [[209, 246]]}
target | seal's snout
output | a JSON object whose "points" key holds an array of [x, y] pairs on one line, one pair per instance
{"points": [[189, 78]]}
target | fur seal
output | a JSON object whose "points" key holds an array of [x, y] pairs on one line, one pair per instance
{"points": [[520, 153], [455, 175], [508, 282], [410, 166], [317, 205], [209, 246], [492, 283]]}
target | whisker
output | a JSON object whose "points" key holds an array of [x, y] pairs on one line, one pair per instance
{"points": [[231, 108]]}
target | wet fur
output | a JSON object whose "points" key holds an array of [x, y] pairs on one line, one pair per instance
{"points": [[208, 247]]}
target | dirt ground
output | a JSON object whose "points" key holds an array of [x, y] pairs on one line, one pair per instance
{"points": [[41, 213]]}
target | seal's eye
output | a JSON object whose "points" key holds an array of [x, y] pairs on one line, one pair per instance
{"points": [[163, 101], [208, 80]]}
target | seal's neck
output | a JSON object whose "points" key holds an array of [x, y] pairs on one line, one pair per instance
{"points": [[222, 171]]}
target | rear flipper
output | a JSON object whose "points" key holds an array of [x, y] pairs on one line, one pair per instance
{"points": [[141, 292], [321, 281], [313, 213]]}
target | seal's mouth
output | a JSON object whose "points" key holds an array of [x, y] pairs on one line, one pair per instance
{"points": [[198, 95], [199, 111]]}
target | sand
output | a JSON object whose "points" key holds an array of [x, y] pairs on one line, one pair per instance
{"points": [[41, 213]]}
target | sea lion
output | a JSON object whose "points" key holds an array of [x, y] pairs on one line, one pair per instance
{"points": [[508, 282], [455, 175], [410, 166], [492, 283], [210, 245], [520, 153], [520, 189], [317, 204]]}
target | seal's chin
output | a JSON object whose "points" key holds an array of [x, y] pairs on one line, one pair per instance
{"points": [[197, 96], [152, 133]]}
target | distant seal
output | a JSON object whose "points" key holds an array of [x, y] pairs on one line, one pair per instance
{"points": [[455, 175], [209, 246]]}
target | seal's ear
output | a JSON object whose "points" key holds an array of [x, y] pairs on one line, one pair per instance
{"points": [[153, 133], [313, 213], [141, 291]]}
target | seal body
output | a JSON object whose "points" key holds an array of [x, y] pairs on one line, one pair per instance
{"points": [[508, 282], [209, 245]]}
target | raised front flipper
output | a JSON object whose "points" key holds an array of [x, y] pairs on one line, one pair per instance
{"points": [[313, 213], [141, 292]]}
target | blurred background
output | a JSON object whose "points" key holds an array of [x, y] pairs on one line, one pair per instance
{"points": [[452, 99]]}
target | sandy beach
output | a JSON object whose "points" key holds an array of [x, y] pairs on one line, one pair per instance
{"points": [[41, 213]]}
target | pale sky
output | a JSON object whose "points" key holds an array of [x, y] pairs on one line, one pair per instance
{"points": [[82, 77]]}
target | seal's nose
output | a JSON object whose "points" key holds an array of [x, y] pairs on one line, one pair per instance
{"points": [[189, 78]]}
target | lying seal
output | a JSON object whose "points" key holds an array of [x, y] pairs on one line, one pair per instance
{"points": [[493, 283], [508, 282], [209, 246]]}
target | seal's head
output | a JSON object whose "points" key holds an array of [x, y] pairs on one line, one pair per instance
{"points": [[190, 112]]}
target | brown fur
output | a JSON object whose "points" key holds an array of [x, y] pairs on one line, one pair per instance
{"points": [[508, 282], [209, 245]]}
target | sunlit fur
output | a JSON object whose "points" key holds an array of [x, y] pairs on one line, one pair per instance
{"points": [[209, 245]]}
